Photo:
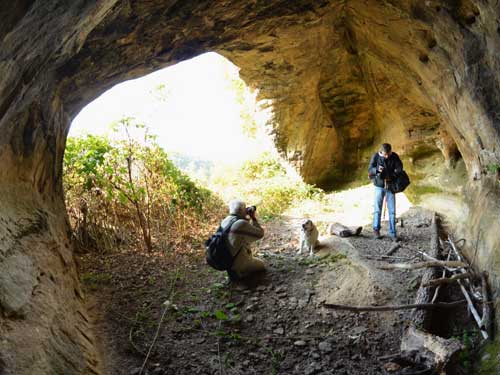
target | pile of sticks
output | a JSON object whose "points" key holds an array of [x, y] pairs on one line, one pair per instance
{"points": [[435, 352], [467, 279], [418, 346], [455, 269]]}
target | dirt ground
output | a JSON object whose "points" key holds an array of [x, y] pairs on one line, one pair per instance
{"points": [[275, 324]]}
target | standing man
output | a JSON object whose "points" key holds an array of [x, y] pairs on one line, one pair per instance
{"points": [[384, 165]]}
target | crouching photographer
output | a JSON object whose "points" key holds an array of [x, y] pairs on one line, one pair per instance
{"points": [[245, 229]]}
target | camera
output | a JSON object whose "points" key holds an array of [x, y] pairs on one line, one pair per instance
{"points": [[251, 209]]}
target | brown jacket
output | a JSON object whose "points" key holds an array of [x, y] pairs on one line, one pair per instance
{"points": [[243, 233]]}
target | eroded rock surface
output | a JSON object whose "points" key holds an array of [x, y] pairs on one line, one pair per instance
{"points": [[342, 76]]}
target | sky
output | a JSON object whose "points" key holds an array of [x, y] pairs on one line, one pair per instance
{"points": [[195, 112]]}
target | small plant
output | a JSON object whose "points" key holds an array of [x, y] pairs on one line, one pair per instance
{"points": [[151, 280], [220, 315], [276, 358], [191, 310], [490, 355], [493, 168], [94, 280], [465, 357]]}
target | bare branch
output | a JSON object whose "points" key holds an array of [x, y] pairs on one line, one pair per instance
{"points": [[446, 280], [414, 266], [445, 305]]}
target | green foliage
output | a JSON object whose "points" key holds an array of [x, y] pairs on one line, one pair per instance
{"points": [[276, 358], [465, 356], [493, 168], [246, 102], [490, 359], [83, 158], [94, 280], [264, 167], [126, 187], [266, 183], [420, 190], [220, 315]]}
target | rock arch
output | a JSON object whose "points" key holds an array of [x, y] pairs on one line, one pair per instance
{"points": [[342, 75]]}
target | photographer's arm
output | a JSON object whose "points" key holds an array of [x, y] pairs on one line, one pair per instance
{"points": [[252, 230]]}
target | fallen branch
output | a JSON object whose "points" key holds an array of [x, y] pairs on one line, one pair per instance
{"points": [[423, 318], [460, 257], [436, 292], [386, 257], [447, 280], [218, 351], [424, 348], [393, 249], [427, 256], [486, 318], [166, 306], [444, 305], [466, 294], [431, 263], [165, 309], [473, 310], [341, 230]]}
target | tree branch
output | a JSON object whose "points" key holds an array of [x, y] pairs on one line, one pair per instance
{"points": [[414, 266], [445, 305], [447, 280]]}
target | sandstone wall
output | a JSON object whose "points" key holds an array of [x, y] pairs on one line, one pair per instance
{"points": [[342, 76]]}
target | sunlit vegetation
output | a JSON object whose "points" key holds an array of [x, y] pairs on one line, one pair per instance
{"points": [[266, 183], [124, 189]]}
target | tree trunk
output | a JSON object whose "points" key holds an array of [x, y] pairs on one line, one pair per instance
{"points": [[146, 234], [422, 318], [341, 230]]}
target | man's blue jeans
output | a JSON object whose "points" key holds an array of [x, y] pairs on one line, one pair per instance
{"points": [[391, 207]]}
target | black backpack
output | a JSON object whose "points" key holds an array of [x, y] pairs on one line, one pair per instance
{"points": [[216, 249], [400, 183]]}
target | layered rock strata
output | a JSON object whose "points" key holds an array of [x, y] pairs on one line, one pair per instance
{"points": [[341, 77]]}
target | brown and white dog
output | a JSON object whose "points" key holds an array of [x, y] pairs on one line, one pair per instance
{"points": [[308, 237]]}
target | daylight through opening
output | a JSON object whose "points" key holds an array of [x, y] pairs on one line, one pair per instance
{"points": [[172, 139]]}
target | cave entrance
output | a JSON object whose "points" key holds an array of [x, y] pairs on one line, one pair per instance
{"points": [[343, 75], [207, 123], [149, 152], [198, 108], [111, 208]]}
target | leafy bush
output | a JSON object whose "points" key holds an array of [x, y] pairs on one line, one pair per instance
{"points": [[266, 183], [264, 167], [121, 189]]}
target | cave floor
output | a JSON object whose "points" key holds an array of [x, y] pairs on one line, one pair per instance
{"points": [[275, 324]]}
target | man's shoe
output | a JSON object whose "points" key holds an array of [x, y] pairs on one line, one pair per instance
{"points": [[395, 239], [376, 235]]}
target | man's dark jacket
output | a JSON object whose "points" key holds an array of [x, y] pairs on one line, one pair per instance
{"points": [[392, 166]]}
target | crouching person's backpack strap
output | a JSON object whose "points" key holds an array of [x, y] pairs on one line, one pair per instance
{"points": [[217, 250]]}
